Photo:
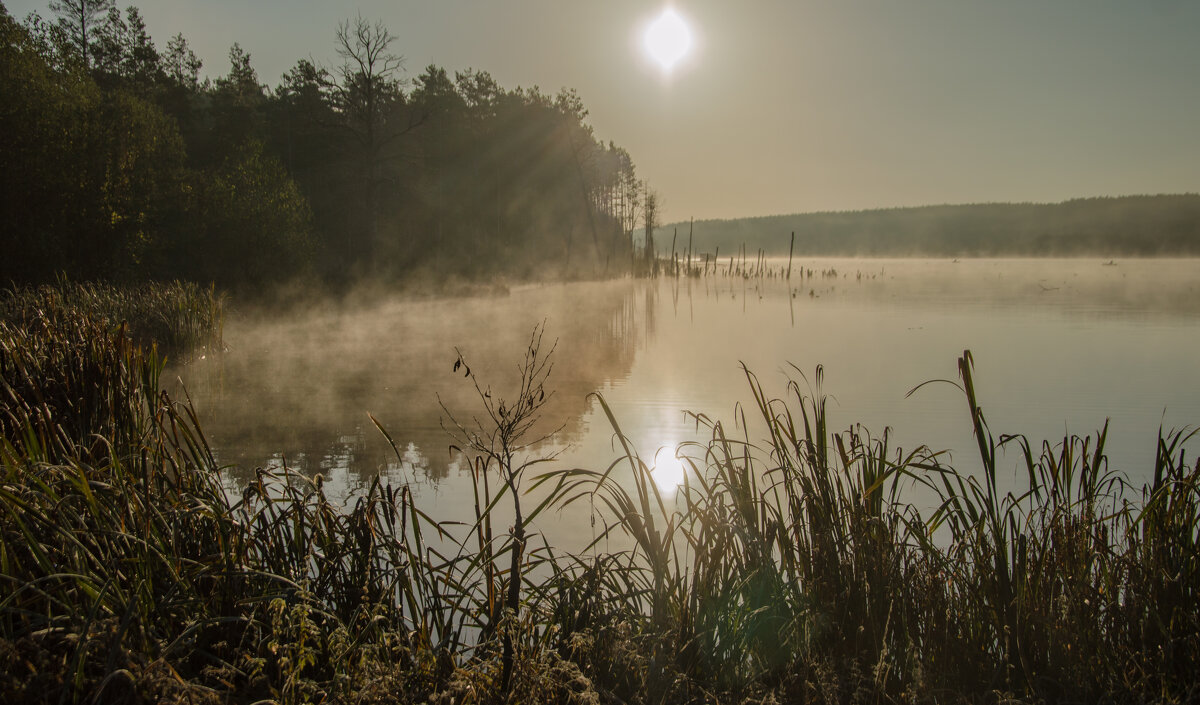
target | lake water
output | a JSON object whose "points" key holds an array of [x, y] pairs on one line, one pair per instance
{"points": [[1059, 345]]}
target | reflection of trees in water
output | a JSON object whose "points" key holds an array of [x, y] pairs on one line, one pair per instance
{"points": [[299, 388]]}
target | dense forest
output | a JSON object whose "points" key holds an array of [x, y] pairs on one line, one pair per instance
{"points": [[1129, 226], [119, 161]]}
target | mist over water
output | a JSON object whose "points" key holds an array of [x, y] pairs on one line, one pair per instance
{"points": [[300, 385], [1059, 346]]}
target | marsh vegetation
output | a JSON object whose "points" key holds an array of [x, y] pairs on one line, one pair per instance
{"points": [[788, 565]]}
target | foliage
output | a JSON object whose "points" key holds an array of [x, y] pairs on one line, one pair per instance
{"points": [[252, 224], [123, 556], [97, 183], [80, 21], [178, 317], [121, 163]]}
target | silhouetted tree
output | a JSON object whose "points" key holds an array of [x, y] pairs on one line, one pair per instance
{"points": [[238, 101], [181, 64], [81, 22], [141, 65], [124, 56], [92, 177], [368, 96], [120, 161], [107, 48], [650, 222]]}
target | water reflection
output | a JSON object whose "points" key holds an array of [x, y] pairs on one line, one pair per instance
{"points": [[299, 388], [1060, 346], [668, 471]]}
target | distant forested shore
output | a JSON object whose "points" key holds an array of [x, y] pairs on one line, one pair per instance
{"points": [[1127, 226], [119, 160]]}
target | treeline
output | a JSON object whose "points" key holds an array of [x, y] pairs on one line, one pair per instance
{"points": [[120, 162], [1128, 226]]}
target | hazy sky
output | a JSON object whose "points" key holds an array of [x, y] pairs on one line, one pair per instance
{"points": [[805, 105]]}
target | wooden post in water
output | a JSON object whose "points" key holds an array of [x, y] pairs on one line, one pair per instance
{"points": [[790, 251], [689, 258], [674, 261]]}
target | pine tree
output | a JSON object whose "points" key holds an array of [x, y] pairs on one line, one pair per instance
{"points": [[81, 21]]}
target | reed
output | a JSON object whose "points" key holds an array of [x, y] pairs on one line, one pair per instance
{"points": [[790, 564], [179, 317], [125, 560]]}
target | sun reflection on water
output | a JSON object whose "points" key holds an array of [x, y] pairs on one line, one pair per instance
{"points": [[669, 471]]}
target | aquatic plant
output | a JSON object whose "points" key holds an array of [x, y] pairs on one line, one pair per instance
{"points": [[792, 563], [179, 317]]}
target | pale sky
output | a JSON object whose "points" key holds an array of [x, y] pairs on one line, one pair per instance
{"points": [[808, 105]]}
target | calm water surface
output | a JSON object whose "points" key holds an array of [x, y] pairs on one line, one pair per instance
{"points": [[1060, 346]]}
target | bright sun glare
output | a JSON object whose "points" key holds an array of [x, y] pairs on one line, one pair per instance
{"points": [[668, 39], [668, 472]]}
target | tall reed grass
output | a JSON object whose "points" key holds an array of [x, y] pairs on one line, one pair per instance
{"points": [[179, 317], [790, 566], [793, 566]]}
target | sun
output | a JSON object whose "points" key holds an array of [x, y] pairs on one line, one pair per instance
{"points": [[667, 39]]}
